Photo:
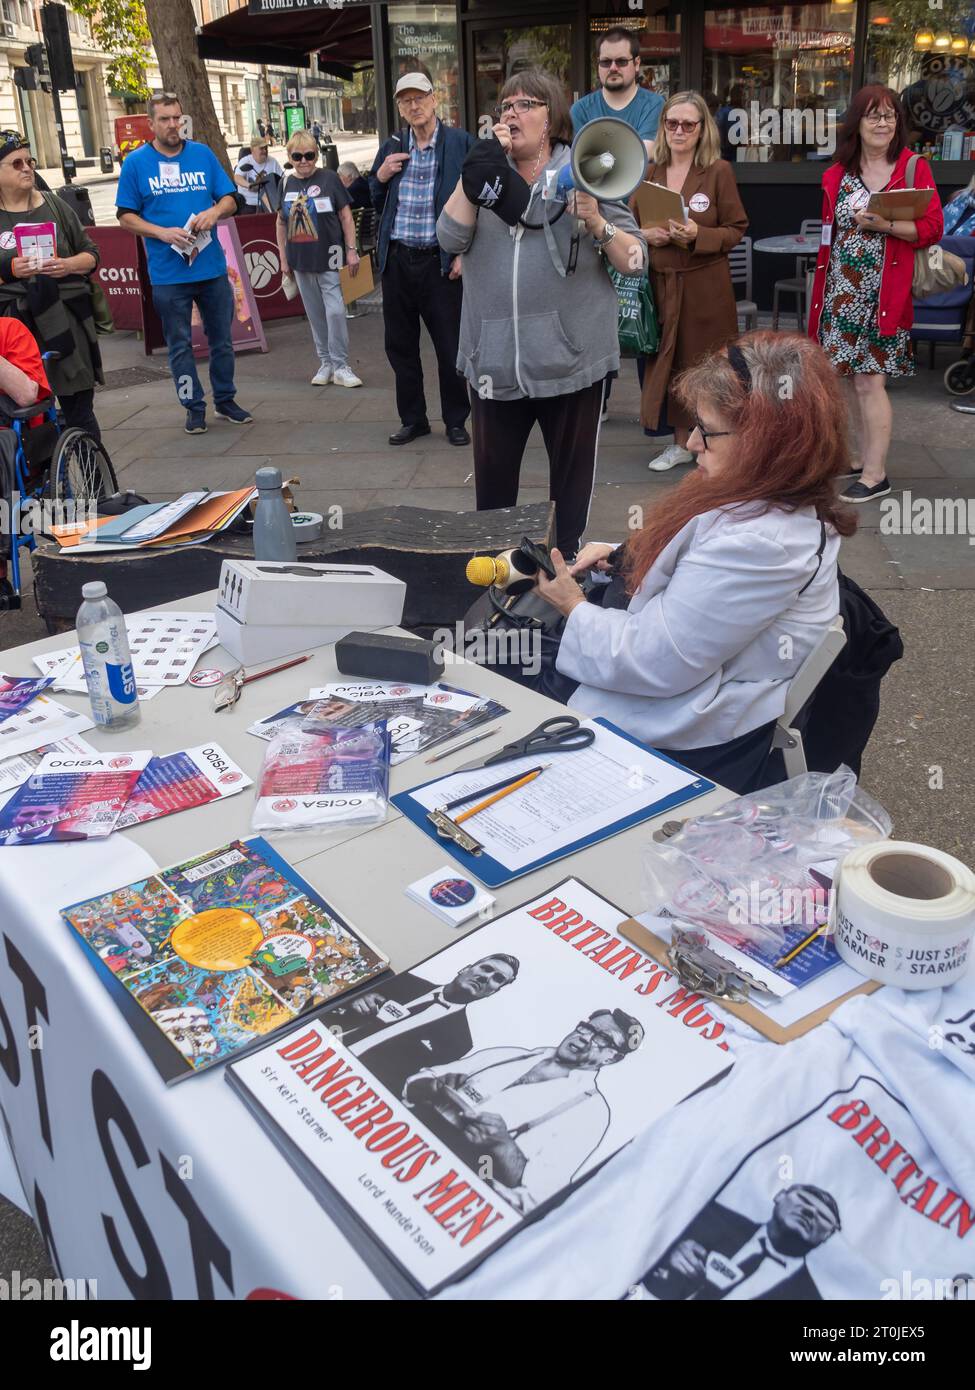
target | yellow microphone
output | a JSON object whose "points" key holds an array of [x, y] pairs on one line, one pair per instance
{"points": [[484, 571], [512, 570]]}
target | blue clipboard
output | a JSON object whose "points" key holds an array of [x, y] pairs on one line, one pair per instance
{"points": [[494, 874]]}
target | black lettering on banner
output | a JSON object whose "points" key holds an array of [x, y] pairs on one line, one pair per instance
{"points": [[109, 1107], [45, 1228], [8, 1052], [35, 1004], [209, 1251]]}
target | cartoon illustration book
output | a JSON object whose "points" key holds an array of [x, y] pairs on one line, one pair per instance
{"points": [[209, 957]]}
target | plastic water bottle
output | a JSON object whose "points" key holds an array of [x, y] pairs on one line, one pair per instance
{"points": [[107, 662], [274, 535]]}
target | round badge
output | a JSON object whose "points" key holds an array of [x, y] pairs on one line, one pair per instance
{"points": [[283, 805], [399, 690], [452, 892], [699, 203], [440, 700], [120, 762], [223, 938], [313, 191], [7, 241], [229, 778], [208, 676]]}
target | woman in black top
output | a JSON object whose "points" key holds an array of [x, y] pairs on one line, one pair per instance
{"points": [[53, 298]]}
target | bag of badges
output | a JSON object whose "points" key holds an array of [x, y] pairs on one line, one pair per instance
{"points": [[750, 870], [324, 780]]}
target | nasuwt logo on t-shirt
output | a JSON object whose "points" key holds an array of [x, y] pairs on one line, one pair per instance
{"points": [[186, 181]]}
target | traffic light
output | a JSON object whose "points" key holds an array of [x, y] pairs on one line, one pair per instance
{"points": [[54, 27], [36, 57]]}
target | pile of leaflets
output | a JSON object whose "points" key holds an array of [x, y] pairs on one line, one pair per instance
{"points": [[417, 716], [70, 791]]}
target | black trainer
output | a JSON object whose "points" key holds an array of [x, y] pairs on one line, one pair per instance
{"points": [[196, 421]]}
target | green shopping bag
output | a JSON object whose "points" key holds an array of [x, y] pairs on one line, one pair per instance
{"points": [[639, 330]]}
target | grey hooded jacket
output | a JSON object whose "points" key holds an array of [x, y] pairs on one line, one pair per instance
{"points": [[524, 329]]}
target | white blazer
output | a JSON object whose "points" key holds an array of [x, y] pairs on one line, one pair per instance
{"points": [[710, 639]]}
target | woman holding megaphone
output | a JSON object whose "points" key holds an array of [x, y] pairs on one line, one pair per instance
{"points": [[538, 329], [689, 260]]}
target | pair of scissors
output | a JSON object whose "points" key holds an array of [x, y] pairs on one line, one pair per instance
{"points": [[561, 734]]}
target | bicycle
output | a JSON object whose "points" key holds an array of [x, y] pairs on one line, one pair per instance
{"points": [[41, 463]]}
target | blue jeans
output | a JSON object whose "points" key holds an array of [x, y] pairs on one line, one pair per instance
{"points": [[174, 305]]}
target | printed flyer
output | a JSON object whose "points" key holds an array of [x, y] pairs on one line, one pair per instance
{"points": [[180, 781], [71, 798]]}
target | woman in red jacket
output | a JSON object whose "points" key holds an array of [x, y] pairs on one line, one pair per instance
{"points": [[861, 300]]}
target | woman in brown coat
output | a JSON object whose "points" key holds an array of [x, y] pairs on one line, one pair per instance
{"points": [[689, 261]]}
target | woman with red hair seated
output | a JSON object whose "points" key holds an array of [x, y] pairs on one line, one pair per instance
{"points": [[732, 580]]}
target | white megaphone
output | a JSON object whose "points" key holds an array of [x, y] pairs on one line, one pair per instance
{"points": [[608, 160]]}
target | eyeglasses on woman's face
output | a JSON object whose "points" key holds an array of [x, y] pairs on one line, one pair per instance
{"points": [[688, 127], [303, 156], [615, 62], [520, 106], [707, 434], [20, 163], [880, 118]]}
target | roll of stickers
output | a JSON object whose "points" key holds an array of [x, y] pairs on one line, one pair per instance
{"points": [[904, 914], [308, 526]]}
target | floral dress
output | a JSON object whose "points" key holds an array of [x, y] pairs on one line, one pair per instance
{"points": [[848, 328]]}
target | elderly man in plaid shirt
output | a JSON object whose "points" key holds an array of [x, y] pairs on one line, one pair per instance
{"points": [[414, 174]]}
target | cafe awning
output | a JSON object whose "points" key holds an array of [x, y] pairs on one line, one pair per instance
{"points": [[278, 34]]}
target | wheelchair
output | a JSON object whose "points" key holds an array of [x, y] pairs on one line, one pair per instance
{"points": [[48, 472]]}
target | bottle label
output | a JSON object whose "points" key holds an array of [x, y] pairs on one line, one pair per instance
{"points": [[121, 683]]}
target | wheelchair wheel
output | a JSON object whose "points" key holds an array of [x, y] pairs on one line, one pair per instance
{"points": [[81, 470], [960, 377]]}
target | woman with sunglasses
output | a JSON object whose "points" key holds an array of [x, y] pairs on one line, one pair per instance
{"points": [[53, 297], [732, 580], [316, 237], [862, 309], [689, 260]]}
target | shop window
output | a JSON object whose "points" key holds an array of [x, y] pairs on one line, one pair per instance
{"points": [[657, 26], [423, 38], [928, 57], [779, 78], [502, 52]]}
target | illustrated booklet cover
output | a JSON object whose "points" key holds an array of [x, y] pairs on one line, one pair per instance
{"points": [[210, 956], [439, 1110]]}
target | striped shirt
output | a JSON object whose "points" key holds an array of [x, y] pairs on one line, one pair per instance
{"points": [[415, 221]]}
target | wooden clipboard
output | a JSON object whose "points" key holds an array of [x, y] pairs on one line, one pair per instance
{"points": [[657, 206], [756, 1018], [902, 204]]}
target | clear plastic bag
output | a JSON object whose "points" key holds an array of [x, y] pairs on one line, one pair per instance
{"points": [[749, 870], [324, 780]]}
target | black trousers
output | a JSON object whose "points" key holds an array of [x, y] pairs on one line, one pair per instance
{"points": [[415, 289], [570, 429], [78, 412]]}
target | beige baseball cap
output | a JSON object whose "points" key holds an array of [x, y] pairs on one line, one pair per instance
{"points": [[413, 82]]}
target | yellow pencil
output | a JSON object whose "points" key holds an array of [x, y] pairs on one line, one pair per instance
{"points": [[801, 947], [505, 791]]}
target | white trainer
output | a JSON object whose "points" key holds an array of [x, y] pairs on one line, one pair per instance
{"points": [[345, 376], [322, 377], [670, 458]]}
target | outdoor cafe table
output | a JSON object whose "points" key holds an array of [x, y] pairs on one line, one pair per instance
{"points": [[177, 1192]]}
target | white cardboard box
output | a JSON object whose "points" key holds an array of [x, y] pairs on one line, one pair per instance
{"points": [[267, 609]]}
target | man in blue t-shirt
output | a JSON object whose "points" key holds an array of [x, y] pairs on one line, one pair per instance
{"points": [[173, 193], [618, 59]]}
